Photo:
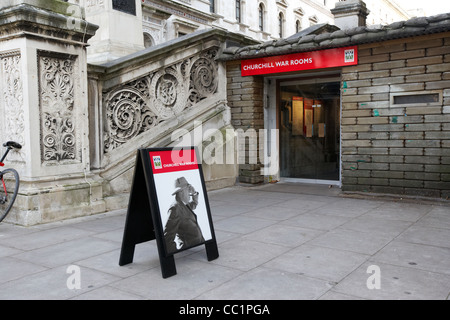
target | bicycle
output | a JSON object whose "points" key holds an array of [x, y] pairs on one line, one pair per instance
{"points": [[10, 182]]}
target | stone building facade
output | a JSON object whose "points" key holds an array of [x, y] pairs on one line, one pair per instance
{"points": [[127, 26], [132, 25]]}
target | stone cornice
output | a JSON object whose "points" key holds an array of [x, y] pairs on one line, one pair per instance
{"points": [[181, 10]]}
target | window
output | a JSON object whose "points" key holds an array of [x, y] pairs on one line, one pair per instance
{"points": [[298, 26], [280, 24], [148, 40], [238, 11], [261, 17], [212, 6], [417, 98]]}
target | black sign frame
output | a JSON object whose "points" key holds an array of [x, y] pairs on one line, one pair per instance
{"points": [[144, 217]]}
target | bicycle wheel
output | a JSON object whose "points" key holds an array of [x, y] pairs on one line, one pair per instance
{"points": [[9, 187]]}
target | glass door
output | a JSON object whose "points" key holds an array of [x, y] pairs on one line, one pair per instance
{"points": [[310, 129]]}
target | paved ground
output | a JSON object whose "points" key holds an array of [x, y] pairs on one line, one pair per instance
{"points": [[282, 242]]}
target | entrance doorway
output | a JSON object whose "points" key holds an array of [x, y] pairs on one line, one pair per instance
{"points": [[309, 123]]}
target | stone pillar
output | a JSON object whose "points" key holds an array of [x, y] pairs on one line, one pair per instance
{"points": [[43, 82], [350, 14]]}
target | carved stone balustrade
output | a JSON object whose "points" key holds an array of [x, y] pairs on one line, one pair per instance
{"points": [[143, 99]]}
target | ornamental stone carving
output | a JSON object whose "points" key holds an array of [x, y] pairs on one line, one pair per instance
{"points": [[56, 85], [168, 90], [127, 115], [13, 111], [142, 104]]}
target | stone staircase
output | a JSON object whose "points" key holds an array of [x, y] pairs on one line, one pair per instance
{"points": [[148, 99]]}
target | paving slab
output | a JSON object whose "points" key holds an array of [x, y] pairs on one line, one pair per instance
{"points": [[145, 258], [349, 208], [438, 217], [272, 213], [283, 235], [351, 240], [12, 269], [397, 283], [318, 262], [376, 226], [197, 277], [269, 284], [317, 221], [242, 224], [45, 238], [399, 211], [66, 253], [245, 255], [427, 235], [415, 256], [51, 284], [230, 210]]}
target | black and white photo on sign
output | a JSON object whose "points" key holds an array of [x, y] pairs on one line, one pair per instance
{"points": [[180, 197]]}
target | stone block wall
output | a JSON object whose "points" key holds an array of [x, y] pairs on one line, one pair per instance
{"points": [[397, 148], [245, 98]]}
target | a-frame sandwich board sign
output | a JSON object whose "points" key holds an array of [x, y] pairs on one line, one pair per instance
{"points": [[168, 203]]}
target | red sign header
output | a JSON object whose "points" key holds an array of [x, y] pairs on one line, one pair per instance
{"points": [[173, 160], [301, 61]]}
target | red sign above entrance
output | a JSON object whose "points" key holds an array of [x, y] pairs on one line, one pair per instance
{"points": [[301, 61]]}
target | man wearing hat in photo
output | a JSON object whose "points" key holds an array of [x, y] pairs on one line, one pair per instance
{"points": [[182, 229]]}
